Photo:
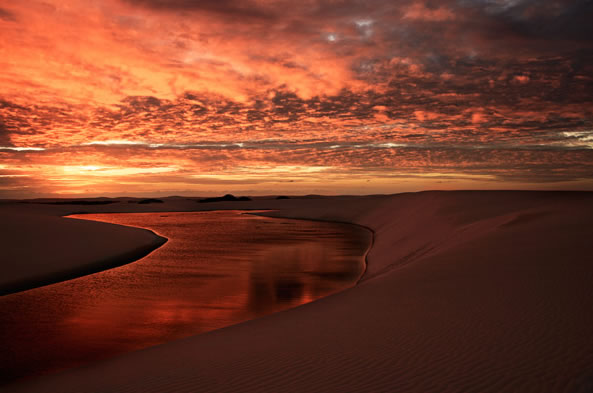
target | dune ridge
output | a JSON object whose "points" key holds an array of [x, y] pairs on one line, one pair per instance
{"points": [[464, 291]]}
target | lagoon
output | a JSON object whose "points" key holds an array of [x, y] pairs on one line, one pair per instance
{"points": [[217, 269]]}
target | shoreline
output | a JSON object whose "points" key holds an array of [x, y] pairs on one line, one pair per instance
{"points": [[366, 228], [146, 242], [136, 254], [131, 256]]}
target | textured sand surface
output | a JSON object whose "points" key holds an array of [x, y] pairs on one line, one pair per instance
{"points": [[464, 291]]}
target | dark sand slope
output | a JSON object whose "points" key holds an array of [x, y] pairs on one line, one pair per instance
{"points": [[465, 291], [39, 249]]}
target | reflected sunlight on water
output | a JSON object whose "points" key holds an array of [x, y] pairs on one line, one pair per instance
{"points": [[217, 269]]}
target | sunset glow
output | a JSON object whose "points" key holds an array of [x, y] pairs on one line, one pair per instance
{"points": [[155, 97]]}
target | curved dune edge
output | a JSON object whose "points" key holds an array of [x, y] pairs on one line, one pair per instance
{"points": [[105, 246], [79, 271], [464, 291]]}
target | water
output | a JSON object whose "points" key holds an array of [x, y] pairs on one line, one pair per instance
{"points": [[217, 269]]}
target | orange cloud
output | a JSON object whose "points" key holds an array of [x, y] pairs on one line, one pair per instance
{"points": [[419, 11], [147, 95]]}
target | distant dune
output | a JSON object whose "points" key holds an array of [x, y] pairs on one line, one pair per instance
{"points": [[226, 198], [473, 291]]}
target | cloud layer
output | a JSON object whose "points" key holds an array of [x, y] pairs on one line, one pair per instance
{"points": [[271, 96]]}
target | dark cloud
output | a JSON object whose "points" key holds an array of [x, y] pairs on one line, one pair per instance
{"points": [[485, 30], [7, 15], [239, 9], [8, 104], [285, 10], [136, 103], [556, 21], [4, 135]]}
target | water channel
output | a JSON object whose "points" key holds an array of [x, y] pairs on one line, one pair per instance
{"points": [[217, 269]]}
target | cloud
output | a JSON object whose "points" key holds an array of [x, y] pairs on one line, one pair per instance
{"points": [[20, 148], [534, 23], [4, 135], [7, 16], [465, 88], [419, 11], [236, 9]]}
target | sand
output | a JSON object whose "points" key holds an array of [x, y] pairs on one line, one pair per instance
{"points": [[464, 291], [39, 249]]}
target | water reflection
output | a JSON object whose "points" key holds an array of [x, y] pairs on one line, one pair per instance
{"points": [[217, 269]]}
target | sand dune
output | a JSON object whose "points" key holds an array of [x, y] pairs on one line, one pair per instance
{"points": [[464, 291], [40, 249]]}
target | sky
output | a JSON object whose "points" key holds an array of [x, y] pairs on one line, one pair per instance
{"points": [[258, 97]]}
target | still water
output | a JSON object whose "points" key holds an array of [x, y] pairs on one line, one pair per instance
{"points": [[217, 269]]}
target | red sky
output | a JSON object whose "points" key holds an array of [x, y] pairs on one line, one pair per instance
{"points": [[155, 97]]}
